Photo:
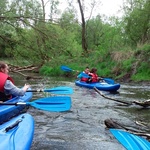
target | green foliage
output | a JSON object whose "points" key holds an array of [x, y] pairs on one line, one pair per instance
{"points": [[142, 76], [137, 22], [144, 67], [114, 47], [127, 64], [50, 71], [45, 70]]}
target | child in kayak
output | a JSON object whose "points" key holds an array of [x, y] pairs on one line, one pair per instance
{"points": [[94, 76]]}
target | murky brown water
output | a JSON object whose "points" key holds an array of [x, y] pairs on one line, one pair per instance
{"points": [[82, 128]]}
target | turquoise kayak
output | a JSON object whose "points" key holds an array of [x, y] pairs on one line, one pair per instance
{"points": [[18, 133], [130, 141], [99, 85], [7, 112]]}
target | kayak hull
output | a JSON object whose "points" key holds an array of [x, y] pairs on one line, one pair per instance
{"points": [[7, 112], [100, 86], [130, 141], [17, 134]]}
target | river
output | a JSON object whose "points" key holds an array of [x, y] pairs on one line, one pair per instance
{"points": [[83, 128]]}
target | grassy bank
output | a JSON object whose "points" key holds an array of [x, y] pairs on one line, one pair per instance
{"points": [[125, 65]]}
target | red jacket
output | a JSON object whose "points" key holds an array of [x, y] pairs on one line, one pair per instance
{"points": [[84, 79], [94, 77], [3, 78]]}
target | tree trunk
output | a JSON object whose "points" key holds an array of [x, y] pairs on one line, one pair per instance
{"points": [[84, 45]]}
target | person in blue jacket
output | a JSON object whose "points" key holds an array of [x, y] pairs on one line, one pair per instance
{"points": [[82, 75], [7, 87]]}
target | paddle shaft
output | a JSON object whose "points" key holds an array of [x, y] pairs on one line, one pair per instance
{"points": [[39, 90], [22, 103], [16, 104], [56, 90]]}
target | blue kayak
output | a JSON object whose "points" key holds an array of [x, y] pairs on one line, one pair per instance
{"points": [[99, 85], [130, 141], [17, 133], [7, 112]]}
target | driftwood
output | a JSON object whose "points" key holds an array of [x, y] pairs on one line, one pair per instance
{"points": [[22, 68], [27, 77], [114, 124], [18, 69], [99, 92], [143, 104]]}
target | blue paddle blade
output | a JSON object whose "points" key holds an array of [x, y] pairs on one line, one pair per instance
{"points": [[65, 68], [109, 81], [130, 141], [52, 104], [60, 90], [85, 75]]}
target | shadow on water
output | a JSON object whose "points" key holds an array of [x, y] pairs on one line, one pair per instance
{"points": [[82, 128]]}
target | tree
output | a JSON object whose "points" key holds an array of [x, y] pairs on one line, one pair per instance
{"points": [[137, 21], [84, 44]]}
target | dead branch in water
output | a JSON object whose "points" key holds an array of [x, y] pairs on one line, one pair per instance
{"points": [[27, 77], [18, 69], [99, 92], [143, 104], [114, 124]]}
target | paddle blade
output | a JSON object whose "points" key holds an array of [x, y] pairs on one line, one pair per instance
{"points": [[85, 75], [65, 68], [52, 104], [60, 90], [109, 81], [130, 141]]}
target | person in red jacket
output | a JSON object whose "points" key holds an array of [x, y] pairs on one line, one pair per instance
{"points": [[7, 87], [94, 76]]}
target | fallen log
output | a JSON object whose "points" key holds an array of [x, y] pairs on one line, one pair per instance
{"points": [[27, 77], [19, 69], [124, 102], [113, 124], [143, 103]]}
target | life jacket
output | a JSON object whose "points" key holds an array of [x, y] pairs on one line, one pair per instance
{"points": [[3, 78], [84, 79], [94, 77]]}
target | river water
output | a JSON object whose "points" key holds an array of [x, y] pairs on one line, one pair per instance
{"points": [[83, 128]]}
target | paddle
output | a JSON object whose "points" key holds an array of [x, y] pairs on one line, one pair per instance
{"points": [[55, 104], [130, 141], [56, 90], [67, 69]]}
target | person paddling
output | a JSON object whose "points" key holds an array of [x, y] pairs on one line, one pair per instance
{"points": [[83, 78], [7, 87]]}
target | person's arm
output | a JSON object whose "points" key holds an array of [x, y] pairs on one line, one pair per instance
{"points": [[79, 76], [10, 88]]}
